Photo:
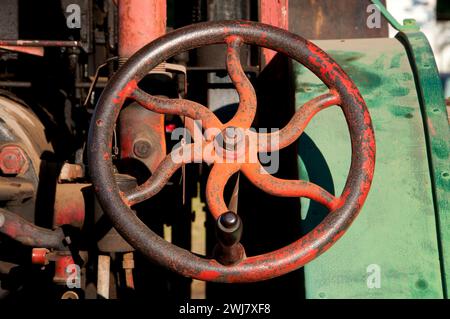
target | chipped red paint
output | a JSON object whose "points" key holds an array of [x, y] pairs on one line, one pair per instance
{"points": [[210, 275], [29, 234], [431, 127], [291, 132], [276, 13], [140, 22], [136, 29], [125, 93], [343, 209], [62, 273], [180, 107], [247, 96], [69, 208]]}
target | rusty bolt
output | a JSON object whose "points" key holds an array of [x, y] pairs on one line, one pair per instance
{"points": [[232, 136], [142, 148], [12, 160]]}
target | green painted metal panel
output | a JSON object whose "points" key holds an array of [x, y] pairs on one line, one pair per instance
{"points": [[434, 112], [396, 230]]}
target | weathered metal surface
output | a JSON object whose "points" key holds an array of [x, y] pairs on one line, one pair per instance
{"points": [[20, 126], [276, 263], [396, 229], [142, 136], [70, 204], [435, 118], [108, 240], [71, 172], [128, 266], [13, 160], [324, 19], [9, 15], [15, 189], [139, 126], [62, 272], [276, 13], [29, 234], [140, 22], [38, 51], [39, 43], [103, 276]]}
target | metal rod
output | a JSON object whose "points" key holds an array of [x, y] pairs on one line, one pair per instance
{"points": [[29, 234], [40, 43], [103, 273], [18, 84]]}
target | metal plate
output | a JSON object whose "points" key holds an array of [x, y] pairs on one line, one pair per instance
{"points": [[396, 230]]}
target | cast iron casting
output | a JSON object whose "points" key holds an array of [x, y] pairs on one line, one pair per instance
{"points": [[342, 92]]}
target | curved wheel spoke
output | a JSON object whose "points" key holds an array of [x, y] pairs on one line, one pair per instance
{"points": [[194, 129], [173, 161], [288, 188], [217, 179], [269, 142], [247, 96], [179, 107]]}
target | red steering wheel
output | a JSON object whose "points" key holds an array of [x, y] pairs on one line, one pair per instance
{"points": [[230, 263]]}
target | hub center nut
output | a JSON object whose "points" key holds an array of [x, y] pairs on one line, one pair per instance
{"points": [[142, 148], [230, 138], [230, 143]]}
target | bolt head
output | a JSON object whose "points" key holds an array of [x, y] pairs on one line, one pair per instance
{"points": [[228, 220], [12, 160], [142, 149], [231, 137]]}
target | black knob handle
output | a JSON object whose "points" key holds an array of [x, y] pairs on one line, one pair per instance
{"points": [[229, 229], [229, 232]]}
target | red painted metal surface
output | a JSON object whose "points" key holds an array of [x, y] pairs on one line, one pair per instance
{"points": [[276, 13], [342, 91], [13, 160], [140, 22], [39, 256], [142, 133], [29, 234], [62, 274], [38, 51], [70, 207]]}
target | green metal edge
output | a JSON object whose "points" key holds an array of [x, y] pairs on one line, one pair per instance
{"points": [[437, 133], [408, 24]]}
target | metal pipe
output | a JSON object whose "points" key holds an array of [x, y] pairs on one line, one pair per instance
{"points": [[29, 234], [17, 84], [140, 22], [40, 43]]}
